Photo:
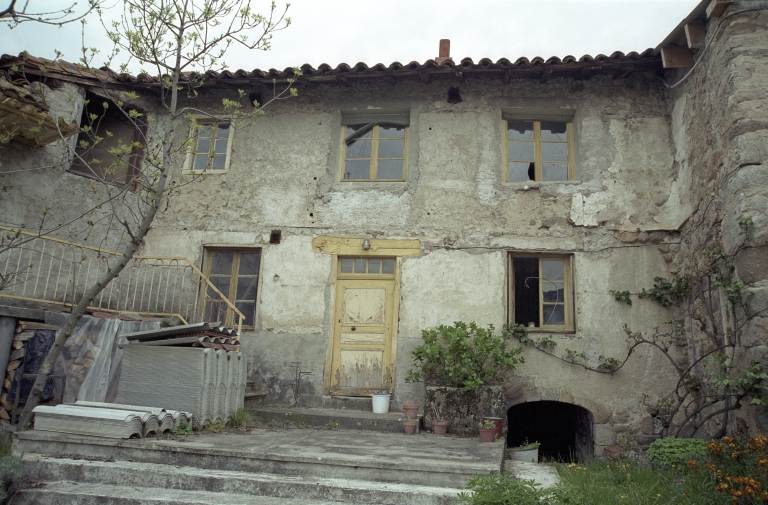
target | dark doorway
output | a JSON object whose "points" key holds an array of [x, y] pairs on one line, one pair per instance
{"points": [[564, 430]]}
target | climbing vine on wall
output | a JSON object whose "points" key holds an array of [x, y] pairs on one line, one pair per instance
{"points": [[702, 348]]}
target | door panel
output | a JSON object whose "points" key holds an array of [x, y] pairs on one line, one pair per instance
{"points": [[362, 340]]}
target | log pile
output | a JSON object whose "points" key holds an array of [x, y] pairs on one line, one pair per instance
{"points": [[24, 331]]}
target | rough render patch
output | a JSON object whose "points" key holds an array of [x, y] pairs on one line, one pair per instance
{"points": [[364, 208], [637, 182], [446, 286], [293, 292]]}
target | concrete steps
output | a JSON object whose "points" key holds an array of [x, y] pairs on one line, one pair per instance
{"points": [[345, 419], [165, 480], [281, 466]]}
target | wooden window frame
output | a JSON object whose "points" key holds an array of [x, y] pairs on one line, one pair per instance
{"points": [[374, 149], [232, 294], [537, 147], [192, 150], [568, 289]]}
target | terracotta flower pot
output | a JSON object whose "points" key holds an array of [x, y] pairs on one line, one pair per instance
{"points": [[498, 425], [409, 428], [440, 427], [410, 410], [487, 434]]}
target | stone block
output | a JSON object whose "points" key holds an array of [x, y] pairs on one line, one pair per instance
{"points": [[604, 434], [755, 332], [752, 265]]}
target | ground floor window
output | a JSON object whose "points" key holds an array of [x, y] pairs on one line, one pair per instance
{"points": [[236, 274], [541, 291]]}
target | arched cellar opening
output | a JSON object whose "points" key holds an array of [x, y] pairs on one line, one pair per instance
{"points": [[564, 430]]}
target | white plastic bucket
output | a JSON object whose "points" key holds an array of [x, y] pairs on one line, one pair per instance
{"points": [[381, 403]]}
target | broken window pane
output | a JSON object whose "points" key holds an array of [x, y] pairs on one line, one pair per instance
{"points": [[388, 266], [365, 135], [526, 272], [222, 130], [520, 171], [554, 172], [391, 132], [520, 130], [357, 169], [553, 131], [389, 170]]}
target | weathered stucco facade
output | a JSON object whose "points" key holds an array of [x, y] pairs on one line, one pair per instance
{"points": [[651, 165]]}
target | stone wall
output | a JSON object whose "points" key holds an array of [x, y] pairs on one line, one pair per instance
{"points": [[719, 128]]}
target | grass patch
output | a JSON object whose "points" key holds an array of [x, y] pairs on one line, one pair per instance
{"points": [[184, 428], [214, 426], [241, 419], [631, 482]]}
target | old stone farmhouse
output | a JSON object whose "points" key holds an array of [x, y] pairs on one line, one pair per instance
{"points": [[387, 199]]}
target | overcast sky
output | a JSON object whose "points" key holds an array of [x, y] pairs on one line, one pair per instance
{"points": [[349, 31]]}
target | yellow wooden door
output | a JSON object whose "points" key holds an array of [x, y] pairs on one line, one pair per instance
{"points": [[362, 362]]}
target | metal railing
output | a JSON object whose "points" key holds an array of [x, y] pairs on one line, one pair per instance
{"points": [[51, 270]]}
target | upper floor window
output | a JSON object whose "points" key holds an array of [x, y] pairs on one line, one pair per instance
{"points": [[110, 145], [211, 146], [374, 148], [539, 151], [541, 291]]}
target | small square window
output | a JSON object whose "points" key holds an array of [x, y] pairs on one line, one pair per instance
{"points": [[374, 148], [538, 151], [210, 146], [541, 292], [235, 273]]}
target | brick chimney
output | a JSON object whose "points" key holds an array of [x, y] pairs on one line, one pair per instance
{"points": [[445, 52]]}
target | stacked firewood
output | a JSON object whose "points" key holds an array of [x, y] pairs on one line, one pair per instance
{"points": [[24, 332]]}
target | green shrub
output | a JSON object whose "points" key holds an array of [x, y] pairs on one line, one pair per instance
{"points": [[497, 489], [673, 451], [463, 355]]}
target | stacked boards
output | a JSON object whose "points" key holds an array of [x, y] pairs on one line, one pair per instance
{"points": [[108, 420], [208, 382]]}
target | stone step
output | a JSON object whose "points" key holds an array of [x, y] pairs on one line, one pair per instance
{"points": [[73, 493], [342, 418], [170, 478], [421, 460]]}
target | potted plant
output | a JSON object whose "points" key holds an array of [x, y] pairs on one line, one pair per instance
{"points": [[488, 431], [439, 425], [410, 410], [409, 425], [498, 424], [527, 451], [461, 365]]}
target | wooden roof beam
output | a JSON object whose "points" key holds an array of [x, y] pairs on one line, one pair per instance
{"points": [[716, 7], [695, 34], [425, 77], [545, 75], [676, 57], [342, 79]]}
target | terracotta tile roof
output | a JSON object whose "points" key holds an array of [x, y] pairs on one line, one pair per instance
{"points": [[617, 64]]}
